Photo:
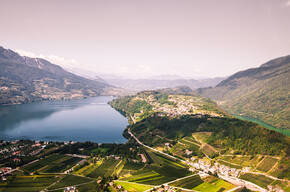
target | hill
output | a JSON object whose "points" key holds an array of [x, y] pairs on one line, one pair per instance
{"points": [[261, 93], [191, 126], [176, 116], [24, 79]]}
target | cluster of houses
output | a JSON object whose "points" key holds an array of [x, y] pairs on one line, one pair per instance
{"points": [[181, 107], [17, 148], [5, 170], [216, 168]]}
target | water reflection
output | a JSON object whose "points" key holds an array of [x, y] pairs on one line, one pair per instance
{"points": [[89, 119]]}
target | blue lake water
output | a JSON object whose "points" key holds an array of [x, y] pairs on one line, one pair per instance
{"points": [[90, 119]]}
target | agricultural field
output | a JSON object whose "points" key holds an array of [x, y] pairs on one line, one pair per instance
{"points": [[87, 169], [229, 164], [201, 136], [155, 174], [140, 175], [129, 168], [206, 149], [89, 187], [191, 139], [267, 163], [52, 164], [245, 161], [188, 183], [152, 158], [106, 169], [133, 186], [285, 185], [29, 183], [69, 180], [214, 184], [190, 145], [260, 180]]}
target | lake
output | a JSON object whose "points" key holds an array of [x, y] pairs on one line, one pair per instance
{"points": [[90, 119], [283, 131]]}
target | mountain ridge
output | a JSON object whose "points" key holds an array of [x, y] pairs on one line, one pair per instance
{"points": [[261, 93], [24, 79]]}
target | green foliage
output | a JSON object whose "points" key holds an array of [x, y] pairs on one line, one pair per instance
{"points": [[69, 180], [244, 136], [188, 183], [52, 164], [260, 180], [106, 169], [29, 183]]}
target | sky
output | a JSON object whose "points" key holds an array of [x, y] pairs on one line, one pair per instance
{"points": [[144, 38]]}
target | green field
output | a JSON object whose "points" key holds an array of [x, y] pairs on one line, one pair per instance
{"points": [[133, 186], [189, 145], [267, 164], [69, 180], [246, 161], [192, 140], [141, 175], [52, 164], [260, 180], [229, 164], [202, 136], [87, 169], [154, 174], [90, 187], [152, 157], [215, 185], [188, 183], [29, 183], [130, 168], [106, 169]]}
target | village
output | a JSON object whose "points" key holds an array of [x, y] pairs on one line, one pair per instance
{"points": [[176, 106]]}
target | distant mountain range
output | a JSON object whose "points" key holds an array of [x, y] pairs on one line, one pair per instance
{"points": [[24, 79], [160, 83], [261, 93]]}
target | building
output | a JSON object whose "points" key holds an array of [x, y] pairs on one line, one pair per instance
{"points": [[70, 189]]}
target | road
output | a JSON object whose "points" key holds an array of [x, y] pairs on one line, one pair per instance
{"points": [[233, 180], [132, 135]]}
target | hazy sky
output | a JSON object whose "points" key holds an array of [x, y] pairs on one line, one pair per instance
{"points": [[140, 38]]}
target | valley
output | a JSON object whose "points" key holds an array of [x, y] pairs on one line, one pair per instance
{"points": [[145, 96], [175, 143]]}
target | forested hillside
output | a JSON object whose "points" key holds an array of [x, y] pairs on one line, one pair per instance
{"points": [[261, 93], [176, 116]]}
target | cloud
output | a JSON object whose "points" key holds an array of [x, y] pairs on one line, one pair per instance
{"points": [[29, 54], [67, 63]]}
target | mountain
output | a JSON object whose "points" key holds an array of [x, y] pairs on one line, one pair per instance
{"points": [[261, 93], [159, 83], [24, 79]]}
